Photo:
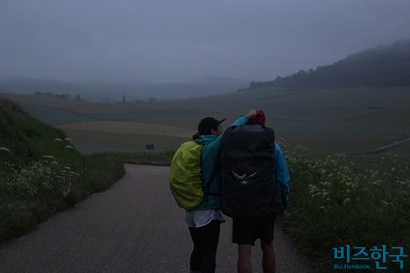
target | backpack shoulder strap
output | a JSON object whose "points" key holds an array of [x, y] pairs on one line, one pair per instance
{"points": [[208, 183], [207, 186]]}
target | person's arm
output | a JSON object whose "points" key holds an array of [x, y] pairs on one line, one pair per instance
{"points": [[242, 120], [282, 172], [215, 146]]}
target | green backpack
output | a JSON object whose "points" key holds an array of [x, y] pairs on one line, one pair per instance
{"points": [[185, 176]]}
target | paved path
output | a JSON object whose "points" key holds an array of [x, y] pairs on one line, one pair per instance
{"points": [[133, 227]]}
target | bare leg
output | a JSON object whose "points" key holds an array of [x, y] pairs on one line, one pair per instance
{"points": [[268, 257], [244, 258]]}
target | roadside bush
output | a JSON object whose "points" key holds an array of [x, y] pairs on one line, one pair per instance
{"points": [[334, 203]]}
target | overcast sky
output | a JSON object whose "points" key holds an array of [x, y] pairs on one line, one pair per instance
{"points": [[179, 40]]}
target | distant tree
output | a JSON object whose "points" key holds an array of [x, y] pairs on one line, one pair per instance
{"points": [[62, 96], [124, 99]]}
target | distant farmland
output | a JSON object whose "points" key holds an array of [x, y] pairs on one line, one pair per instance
{"points": [[325, 121], [124, 135]]}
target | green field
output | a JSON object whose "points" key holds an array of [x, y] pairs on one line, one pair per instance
{"points": [[351, 121]]}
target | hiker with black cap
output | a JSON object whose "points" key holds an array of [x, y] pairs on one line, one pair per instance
{"points": [[205, 219]]}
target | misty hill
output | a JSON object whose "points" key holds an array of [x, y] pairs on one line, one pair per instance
{"points": [[383, 66], [114, 91]]}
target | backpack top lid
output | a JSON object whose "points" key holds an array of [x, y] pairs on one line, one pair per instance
{"points": [[248, 141]]}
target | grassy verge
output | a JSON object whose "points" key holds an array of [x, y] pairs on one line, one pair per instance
{"points": [[356, 201], [32, 193]]}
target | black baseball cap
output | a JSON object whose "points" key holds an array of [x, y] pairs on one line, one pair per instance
{"points": [[208, 124]]}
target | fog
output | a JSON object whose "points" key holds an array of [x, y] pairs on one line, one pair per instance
{"points": [[182, 40]]}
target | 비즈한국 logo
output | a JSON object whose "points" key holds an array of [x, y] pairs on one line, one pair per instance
{"points": [[374, 257]]}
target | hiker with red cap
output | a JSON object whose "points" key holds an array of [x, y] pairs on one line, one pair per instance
{"points": [[255, 188]]}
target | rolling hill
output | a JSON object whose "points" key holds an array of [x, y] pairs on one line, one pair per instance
{"points": [[383, 66]]}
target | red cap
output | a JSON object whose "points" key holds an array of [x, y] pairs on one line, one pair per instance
{"points": [[258, 119]]}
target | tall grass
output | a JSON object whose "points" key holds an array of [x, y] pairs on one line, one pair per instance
{"points": [[338, 201]]}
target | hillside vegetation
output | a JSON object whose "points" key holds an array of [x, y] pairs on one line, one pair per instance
{"points": [[41, 172], [24, 139], [384, 66]]}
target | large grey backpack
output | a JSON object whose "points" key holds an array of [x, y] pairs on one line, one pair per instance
{"points": [[250, 190]]}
